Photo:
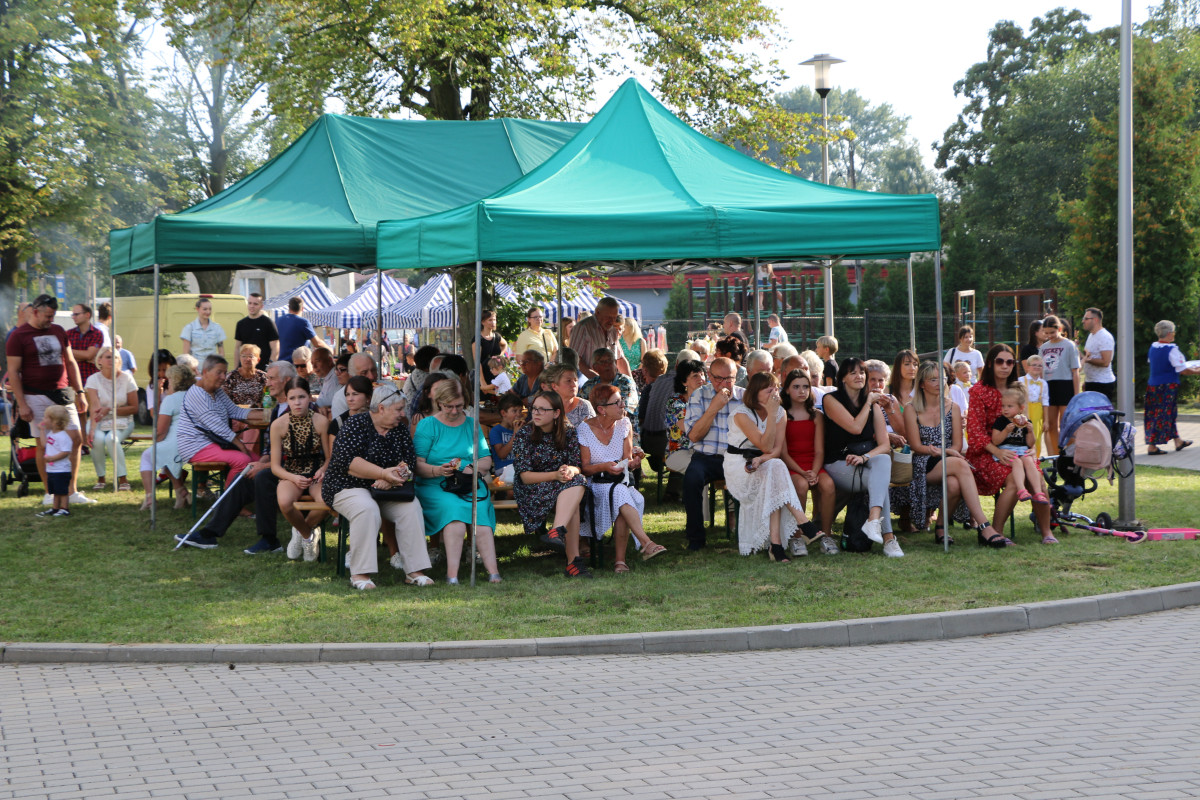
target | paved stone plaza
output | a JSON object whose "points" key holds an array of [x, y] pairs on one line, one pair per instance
{"points": [[1104, 709]]}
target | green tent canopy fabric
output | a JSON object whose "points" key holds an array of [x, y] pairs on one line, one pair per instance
{"points": [[318, 201], [637, 183]]}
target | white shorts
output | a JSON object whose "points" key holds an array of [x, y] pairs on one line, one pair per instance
{"points": [[38, 403]]}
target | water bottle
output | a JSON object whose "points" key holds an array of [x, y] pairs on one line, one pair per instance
{"points": [[268, 402]]}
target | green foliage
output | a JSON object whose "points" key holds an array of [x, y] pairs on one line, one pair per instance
{"points": [[1166, 201], [870, 147], [477, 60], [888, 293], [1019, 149]]}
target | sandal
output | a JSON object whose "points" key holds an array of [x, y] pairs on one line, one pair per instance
{"points": [[651, 550], [621, 567], [418, 580], [1041, 498], [1024, 496], [182, 500], [1182, 445], [99, 485], [1158, 451], [362, 584], [1049, 539], [940, 538], [778, 554], [494, 578], [124, 486], [996, 540]]}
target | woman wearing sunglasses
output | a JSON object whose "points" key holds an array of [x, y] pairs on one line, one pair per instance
{"points": [[994, 475]]}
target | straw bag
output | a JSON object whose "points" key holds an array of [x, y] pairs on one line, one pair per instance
{"points": [[902, 469]]}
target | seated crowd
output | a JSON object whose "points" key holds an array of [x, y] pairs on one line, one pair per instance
{"points": [[770, 426]]}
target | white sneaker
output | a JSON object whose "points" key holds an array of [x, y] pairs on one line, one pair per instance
{"points": [[828, 546], [797, 546], [79, 498], [873, 530], [48, 500], [310, 546], [347, 559], [397, 562], [891, 549], [294, 548]]}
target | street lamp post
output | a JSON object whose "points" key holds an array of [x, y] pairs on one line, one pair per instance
{"points": [[822, 62]]}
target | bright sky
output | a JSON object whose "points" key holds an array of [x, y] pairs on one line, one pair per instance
{"points": [[911, 54]]}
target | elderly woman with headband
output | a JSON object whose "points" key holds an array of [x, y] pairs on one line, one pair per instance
{"points": [[374, 451]]}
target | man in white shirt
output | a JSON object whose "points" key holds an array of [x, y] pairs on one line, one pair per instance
{"points": [[360, 364], [1098, 375], [778, 334]]}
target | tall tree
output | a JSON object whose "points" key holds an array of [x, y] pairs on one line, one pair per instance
{"points": [[1019, 148], [870, 146], [474, 59], [71, 116], [1166, 213]]}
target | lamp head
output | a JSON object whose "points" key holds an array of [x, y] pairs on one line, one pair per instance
{"points": [[822, 62]]}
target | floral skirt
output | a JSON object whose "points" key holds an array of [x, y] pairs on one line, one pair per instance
{"points": [[1160, 413]]}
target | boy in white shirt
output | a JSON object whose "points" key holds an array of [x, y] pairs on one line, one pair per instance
{"points": [[58, 460]]}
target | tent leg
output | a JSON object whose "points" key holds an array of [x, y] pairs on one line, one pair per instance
{"points": [[154, 408], [757, 308], [475, 422], [912, 318], [559, 319], [112, 299], [379, 335], [937, 284]]}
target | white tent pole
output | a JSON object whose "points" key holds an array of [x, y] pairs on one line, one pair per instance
{"points": [[937, 283], [475, 422], [454, 294], [112, 300], [153, 381], [912, 317], [379, 335], [559, 319], [757, 308]]}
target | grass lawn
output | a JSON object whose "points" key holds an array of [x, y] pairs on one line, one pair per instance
{"points": [[103, 576]]}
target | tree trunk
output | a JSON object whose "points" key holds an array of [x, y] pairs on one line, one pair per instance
{"points": [[10, 265], [218, 281]]}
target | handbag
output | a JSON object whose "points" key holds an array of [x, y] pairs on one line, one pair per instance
{"points": [[212, 437], [902, 468], [859, 448], [461, 484], [679, 461], [404, 493], [747, 453]]}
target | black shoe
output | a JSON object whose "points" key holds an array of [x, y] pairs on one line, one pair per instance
{"points": [[779, 554], [578, 569], [555, 537], [696, 545], [197, 539], [263, 546]]}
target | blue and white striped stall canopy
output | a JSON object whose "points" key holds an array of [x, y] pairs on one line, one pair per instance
{"points": [[349, 313], [413, 311], [577, 298], [316, 296]]}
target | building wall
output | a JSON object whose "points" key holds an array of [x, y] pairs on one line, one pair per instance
{"points": [[271, 283]]}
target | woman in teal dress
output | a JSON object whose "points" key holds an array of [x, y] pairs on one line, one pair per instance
{"points": [[443, 444]]}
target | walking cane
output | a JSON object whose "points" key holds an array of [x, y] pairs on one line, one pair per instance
{"points": [[213, 507]]}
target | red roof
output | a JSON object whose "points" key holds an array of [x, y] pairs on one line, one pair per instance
{"points": [[659, 281]]}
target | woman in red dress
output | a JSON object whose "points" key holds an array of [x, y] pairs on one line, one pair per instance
{"points": [[992, 475]]}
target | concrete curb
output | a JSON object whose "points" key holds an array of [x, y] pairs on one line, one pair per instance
{"points": [[845, 633]]}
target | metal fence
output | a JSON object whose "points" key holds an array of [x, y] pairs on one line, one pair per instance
{"points": [[871, 334]]}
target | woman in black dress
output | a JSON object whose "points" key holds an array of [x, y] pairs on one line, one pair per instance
{"points": [[549, 476]]}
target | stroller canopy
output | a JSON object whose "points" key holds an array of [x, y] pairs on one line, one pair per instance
{"points": [[1082, 406]]}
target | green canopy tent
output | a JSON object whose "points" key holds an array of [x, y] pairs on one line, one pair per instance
{"points": [[638, 189], [317, 202], [314, 207]]}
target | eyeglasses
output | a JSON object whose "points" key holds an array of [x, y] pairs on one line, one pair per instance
{"points": [[715, 378], [540, 410], [1005, 361], [534, 316]]}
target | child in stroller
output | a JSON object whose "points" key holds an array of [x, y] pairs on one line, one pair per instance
{"points": [[1070, 480]]}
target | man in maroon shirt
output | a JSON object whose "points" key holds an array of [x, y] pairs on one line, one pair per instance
{"points": [[86, 340], [42, 372]]}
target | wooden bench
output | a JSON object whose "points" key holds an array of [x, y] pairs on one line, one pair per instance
{"points": [[306, 504], [219, 467]]}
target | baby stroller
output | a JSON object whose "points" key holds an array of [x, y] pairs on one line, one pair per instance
{"points": [[1094, 431], [22, 460]]}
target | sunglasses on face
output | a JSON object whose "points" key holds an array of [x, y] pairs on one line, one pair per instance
{"points": [[1005, 361]]}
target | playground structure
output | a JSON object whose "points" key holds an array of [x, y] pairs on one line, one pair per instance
{"points": [[797, 299]]}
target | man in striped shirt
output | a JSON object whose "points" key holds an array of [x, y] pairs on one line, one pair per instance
{"points": [[203, 419], [707, 425]]}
